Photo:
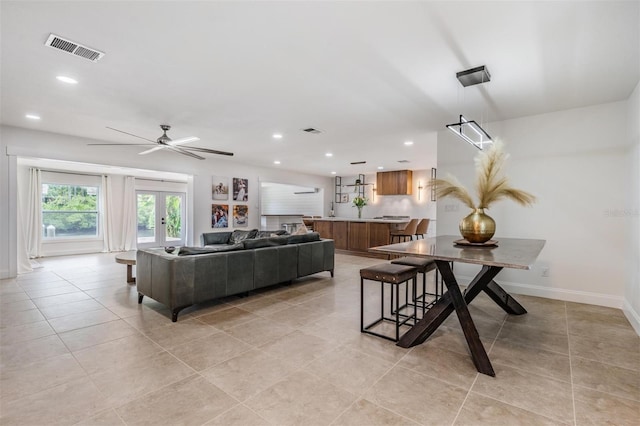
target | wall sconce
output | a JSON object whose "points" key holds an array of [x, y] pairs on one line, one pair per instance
{"points": [[373, 194], [420, 188]]}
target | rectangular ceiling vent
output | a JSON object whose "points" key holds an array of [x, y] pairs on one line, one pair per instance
{"points": [[73, 48], [404, 161], [311, 130], [358, 162]]}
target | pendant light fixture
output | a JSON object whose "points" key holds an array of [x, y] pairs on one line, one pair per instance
{"points": [[469, 130]]}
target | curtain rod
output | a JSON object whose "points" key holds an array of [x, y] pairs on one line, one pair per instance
{"points": [[90, 174], [67, 173]]}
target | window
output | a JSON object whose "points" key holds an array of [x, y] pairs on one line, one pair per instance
{"points": [[69, 211]]}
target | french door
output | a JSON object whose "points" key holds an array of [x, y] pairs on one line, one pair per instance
{"points": [[161, 218]]}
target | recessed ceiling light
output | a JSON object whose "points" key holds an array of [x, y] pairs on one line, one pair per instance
{"points": [[408, 143], [276, 162], [328, 154], [380, 167], [32, 117], [67, 80], [277, 136]]}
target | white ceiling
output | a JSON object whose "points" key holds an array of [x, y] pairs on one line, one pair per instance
{"points": [[369, 75]]}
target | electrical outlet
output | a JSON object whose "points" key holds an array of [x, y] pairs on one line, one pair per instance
{"points": [[544, 271]]}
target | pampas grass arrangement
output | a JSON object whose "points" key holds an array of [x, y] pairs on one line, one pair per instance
{"points": [[491, 184]]}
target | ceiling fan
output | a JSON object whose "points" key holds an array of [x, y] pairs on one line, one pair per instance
{"points": [[165, 142]]}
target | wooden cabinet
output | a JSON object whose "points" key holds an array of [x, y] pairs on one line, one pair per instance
{"points": [[358, 236], [355, 236], [340, 235], [399, 182], [379, 234], [324, 228]]}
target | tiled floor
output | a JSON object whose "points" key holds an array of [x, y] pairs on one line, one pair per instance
{"points": [[76, 348]]}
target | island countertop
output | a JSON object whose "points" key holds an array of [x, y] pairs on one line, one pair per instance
{"points": [[352, 219]]}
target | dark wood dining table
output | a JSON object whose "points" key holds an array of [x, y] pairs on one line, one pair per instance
{"points": [[515, 253]]}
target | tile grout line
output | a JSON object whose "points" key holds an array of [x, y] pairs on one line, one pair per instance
{"points": [[573, 393], [504, 320]]}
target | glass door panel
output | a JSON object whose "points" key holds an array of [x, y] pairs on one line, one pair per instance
{"points": [[161, 218]]}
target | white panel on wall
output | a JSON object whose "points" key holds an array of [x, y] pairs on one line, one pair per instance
{"points": [[283, 199]]}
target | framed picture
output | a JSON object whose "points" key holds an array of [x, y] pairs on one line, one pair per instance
{"points": [[240, 216], [240, 189], [220, 188], [219, 215], [344, 198]]}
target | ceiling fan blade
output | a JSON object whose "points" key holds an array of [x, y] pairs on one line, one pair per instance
{"points": [[185, 152], [131, 134], [209, 151], [157, 148], [183, 140], [124, 144]]}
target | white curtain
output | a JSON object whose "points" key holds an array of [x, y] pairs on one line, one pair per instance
{"points": [[33, 218], [107, 220], [129, 216]]}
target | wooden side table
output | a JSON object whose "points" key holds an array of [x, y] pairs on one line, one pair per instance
{"points": [[128, 258]]}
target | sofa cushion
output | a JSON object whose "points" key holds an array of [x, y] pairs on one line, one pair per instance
{"points": [[210, 238], [265, 242], [239, 236], [219, 248], [304, 238], [267, 234]]}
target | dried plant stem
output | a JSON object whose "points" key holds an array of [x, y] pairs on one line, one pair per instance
{"points": [[490, 185]]}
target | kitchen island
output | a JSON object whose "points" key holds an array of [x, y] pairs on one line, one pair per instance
{"points": [[356, 236]]}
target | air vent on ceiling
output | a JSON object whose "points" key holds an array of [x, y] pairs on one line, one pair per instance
{"points": [[358, 162], [404, 161], [73, 48], [311, 130]]}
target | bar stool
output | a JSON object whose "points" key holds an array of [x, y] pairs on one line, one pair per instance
{"points": [[421, 230], [408, 231], [395, 276], [423, 266]]}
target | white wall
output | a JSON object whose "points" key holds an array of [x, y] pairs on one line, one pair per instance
{"points": [[632, 216], [35, 144], [576, 163]]}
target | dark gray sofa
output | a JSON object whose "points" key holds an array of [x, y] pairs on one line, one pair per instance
{"points": [[192, 275]]}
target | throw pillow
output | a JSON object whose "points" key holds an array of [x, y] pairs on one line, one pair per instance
{"points": [[305, 238], [188, 251], [239, 236], [210, 238], [302, 229], [265, 242]]}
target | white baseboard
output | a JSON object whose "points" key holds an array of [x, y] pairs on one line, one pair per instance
{"points": [[558, 293], [632, 316], [4, 274]]}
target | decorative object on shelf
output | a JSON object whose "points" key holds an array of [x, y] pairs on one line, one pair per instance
{"points": [[359, 202], [491, 186]]}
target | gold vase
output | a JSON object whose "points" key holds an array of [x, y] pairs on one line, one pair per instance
{"points": [[477, 227]]}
